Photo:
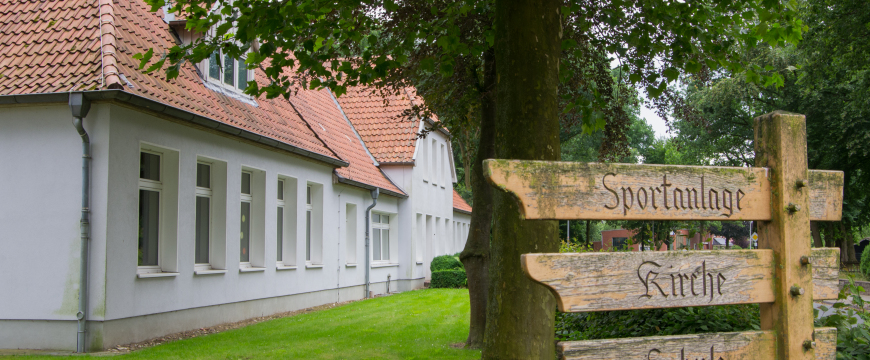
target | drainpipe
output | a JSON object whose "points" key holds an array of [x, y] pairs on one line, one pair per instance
{"points": [[79, 106], [375, 194]]}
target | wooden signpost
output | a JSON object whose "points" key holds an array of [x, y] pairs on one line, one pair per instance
{"points": [[783, 276]]}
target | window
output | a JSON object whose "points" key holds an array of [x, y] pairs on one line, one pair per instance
{"points": [[314, 224], [286, 224], [441, 170], [419, 236], [380, 237], [350, 232], [157, 223], [227, 71], [245, 218], [150, 189], [280, 222], [619, 243], [203, 214], [433, 161]]}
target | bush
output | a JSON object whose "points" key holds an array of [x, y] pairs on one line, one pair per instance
{"points": [[865, 262], [448, 279], [639, 323], [445, 262], [853, 339]]}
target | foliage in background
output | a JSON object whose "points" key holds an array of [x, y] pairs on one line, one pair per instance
{"points": [[853, 339], [865, 262], [653, 322]]}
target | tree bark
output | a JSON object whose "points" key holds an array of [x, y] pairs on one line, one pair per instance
{"points": [[817, 236], [475, 256], [850, 244], [520, 312]]}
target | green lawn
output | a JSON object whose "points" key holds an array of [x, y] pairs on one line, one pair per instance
{"points": [[413, 325]]}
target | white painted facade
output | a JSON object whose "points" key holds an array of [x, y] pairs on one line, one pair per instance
{"points": [[40, 153]]}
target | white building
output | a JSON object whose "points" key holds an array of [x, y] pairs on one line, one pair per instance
{"points": [[204, 205]]}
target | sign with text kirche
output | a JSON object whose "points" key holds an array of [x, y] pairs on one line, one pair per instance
{"points": [[784, 275]]}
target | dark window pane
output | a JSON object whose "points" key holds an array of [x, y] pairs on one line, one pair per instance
{"points": [[385, 219], [246, 183], [385, 243], [308, 235], [203, 175], [243, 75], [376, 218], [245, 233], [376, 253], [214, 66], [229, 68], [280, 189], [619, 242], [149, 166], [149, 227], [280, 234], [308, 196], [202, 229]]}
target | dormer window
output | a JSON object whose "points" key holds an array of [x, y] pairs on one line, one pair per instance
{"points": [[227, 71]]}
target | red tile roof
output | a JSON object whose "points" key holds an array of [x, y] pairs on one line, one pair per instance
{"points": [[51, 46], [388, 134], [460, 204]]}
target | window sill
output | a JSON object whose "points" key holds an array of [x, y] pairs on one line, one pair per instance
{"points": [[285, 267], [384, 265], [156, 275], [314, 266], [349, 265], [419, 263], [252, 269], [209, 271]]}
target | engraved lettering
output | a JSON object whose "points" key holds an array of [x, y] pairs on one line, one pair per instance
{"points": [[691, 193], [604, 182], [646, 280], [649, 279], [719, 282], [740, 195], [681, 204], [727, 202], [665, 185], [713, 197], [642, 205], [654, 196], [626, 204], [703, 206]]}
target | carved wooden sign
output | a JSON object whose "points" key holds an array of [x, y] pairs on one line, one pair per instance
{"points": [[662, 279], [717, 346], [595, 191]]}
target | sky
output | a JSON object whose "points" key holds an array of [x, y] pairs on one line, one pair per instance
{"points": [[658, 124]]}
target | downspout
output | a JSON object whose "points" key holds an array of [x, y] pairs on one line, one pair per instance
{"points": [[375, 194], [79, 106]]}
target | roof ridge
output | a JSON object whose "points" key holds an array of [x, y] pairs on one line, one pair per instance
{"points": [[110, 78]]}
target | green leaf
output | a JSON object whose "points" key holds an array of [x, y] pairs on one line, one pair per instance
{"points": [[671, 74], [391, 5], [144, 58]]}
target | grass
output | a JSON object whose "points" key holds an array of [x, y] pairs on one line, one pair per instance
{"points": [[412, 325]]}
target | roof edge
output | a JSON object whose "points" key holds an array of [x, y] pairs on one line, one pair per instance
{"points": [[186, 116], [347, 181], [461, 211]]}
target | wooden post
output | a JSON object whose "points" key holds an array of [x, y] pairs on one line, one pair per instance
{"points": [[780, 145]]}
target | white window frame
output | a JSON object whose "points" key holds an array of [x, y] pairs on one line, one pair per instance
{"points": [[378, 226], [309, 218], [157, 186], [235, 87], [442, 168], [206, 193], [281, 220], [247, 198], [433, 161]]}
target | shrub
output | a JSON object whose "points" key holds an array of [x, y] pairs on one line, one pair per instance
{"points": [[445, 262], [865, 262], [448, 279], [853, 339], [639, 323]]}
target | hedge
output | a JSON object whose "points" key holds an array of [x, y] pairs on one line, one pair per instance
{"points": [[448, 279], [445, 262]]}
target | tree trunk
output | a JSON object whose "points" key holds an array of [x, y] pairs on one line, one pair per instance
{"points": [[588, 234], [817, 236], [475, 256], [521, 313], [850, 244]]}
